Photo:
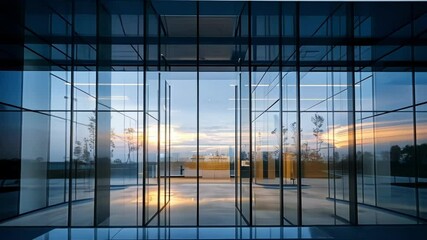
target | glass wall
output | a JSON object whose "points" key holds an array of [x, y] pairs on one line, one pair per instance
{"points": [[386, 115], [196, 113], [74, 115]]}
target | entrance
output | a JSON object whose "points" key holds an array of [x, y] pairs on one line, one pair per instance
{"points": [[202, 124]]}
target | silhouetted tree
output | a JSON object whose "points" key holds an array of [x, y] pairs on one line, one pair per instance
{"points": [[395, 153], [317, 120], [77, 149], [129, 138], [422, 160]]}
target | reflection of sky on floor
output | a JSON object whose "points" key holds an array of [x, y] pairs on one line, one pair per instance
{"points": [[318, 232], [188, 233], [217, 205]]}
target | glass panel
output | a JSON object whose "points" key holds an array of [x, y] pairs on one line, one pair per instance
{"points": [[290, 149], [183, 203], [395, 166], [83, 168], [151, 174], [217, 148], [245, 162], [324, 148], [123, 147], [244, 122], [387, 85], [152, 157], [421, 86]]}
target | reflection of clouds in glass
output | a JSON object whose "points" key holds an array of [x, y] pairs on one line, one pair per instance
{"points": [[385, 132], [180, 136]]}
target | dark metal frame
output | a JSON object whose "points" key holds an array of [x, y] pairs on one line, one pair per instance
{"points": [[198, 113], [298, 125]]}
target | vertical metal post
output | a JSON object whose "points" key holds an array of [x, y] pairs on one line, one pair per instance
{"points": [[198, 112], [240, 141], [281, 197], [250, 110], [137, 145], [352, 163], [95, 199], [144, 116], [414, 116], [169, 153], [159, 119], [235, 146], [70, 166], [298, 102], [239, 99], [158, 142], [166, 103], [137, 135]]}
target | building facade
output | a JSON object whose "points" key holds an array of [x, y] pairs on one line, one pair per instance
{"points": [[319, 107]]}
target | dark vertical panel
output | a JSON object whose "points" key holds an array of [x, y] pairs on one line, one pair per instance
{"points": [[10, 162], [352, 164], [69, 166], [12, 41], [103, 118], [11, 66]]}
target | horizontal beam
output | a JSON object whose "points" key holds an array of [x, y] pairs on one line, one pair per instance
{"points": [[259, 40], [339, 66]]}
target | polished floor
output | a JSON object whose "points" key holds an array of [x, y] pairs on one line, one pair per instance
{"points": [[205, 233], [218, 218], [217, 207]]}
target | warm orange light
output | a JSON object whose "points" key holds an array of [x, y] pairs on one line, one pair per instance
{"points": [[385, 132]]}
